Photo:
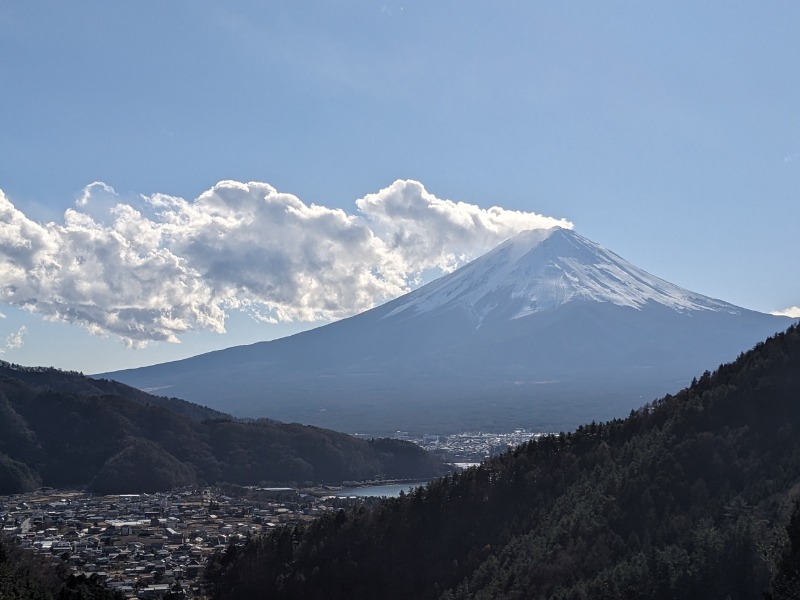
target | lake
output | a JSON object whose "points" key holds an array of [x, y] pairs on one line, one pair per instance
{"points": [[389, 490]]}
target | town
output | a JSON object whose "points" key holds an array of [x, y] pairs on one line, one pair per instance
{"points": [[146, 545], [467, 449]]}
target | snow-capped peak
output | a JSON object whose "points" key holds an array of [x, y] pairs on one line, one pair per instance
{"points": [[542, 269]]}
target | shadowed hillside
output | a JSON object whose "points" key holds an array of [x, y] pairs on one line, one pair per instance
{"points": [[71, 382]]}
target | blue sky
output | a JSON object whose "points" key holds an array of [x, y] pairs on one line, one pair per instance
{"points": [[667, 132]]}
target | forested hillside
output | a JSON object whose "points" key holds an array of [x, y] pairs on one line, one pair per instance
{"points": [[688, 497], [71, 382], [109, 442]]}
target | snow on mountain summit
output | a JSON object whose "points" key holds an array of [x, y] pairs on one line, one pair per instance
{"points": [[539, 270]]}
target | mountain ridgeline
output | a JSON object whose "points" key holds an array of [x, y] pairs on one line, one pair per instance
{"points": [[688, 497], [546, 331], [64, 430], [72, 382]]}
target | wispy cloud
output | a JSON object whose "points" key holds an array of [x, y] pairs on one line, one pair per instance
{"points": [[157, 266], [792, 311], [14, 340]]}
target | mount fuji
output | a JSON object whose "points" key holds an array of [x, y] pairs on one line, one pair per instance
{"points": [[546, 331]]}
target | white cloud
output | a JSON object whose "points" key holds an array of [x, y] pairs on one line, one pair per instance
{"points": [[152, 268], [429, 232], [101, 276], [792, 311], [14, 340]]}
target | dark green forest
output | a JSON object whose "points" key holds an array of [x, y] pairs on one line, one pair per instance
{"points": [[67, 431], [691, 496]]}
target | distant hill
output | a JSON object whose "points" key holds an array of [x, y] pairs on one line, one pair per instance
{"points": [[689, 497], [546, 331], [65, 430], [49, 378]]}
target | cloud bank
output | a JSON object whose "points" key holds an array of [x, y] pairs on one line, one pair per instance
{"points": [[154, 267], [792, 311]]}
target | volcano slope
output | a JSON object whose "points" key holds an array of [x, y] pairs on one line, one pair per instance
{"points": [[546, 331]]}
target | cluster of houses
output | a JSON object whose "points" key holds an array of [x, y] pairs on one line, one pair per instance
{"points": [[466, 449], [146, 545]]}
